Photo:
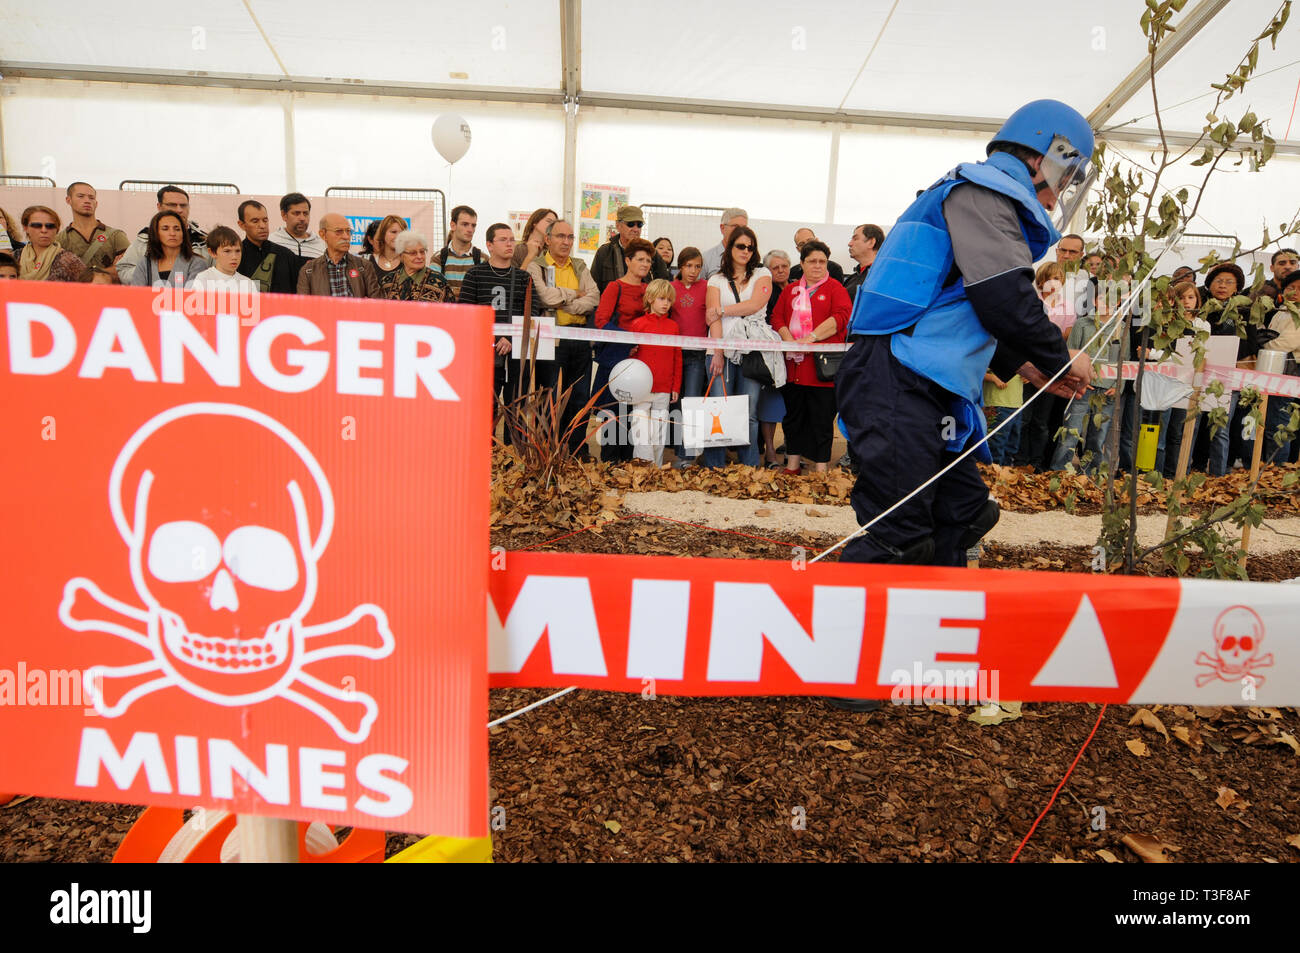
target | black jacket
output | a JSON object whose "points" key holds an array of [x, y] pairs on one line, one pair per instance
{"points": [[610, 265], [284, 268]]}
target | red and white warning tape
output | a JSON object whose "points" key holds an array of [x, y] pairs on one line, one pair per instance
{"points": [[911, 633], [1233, 378]]}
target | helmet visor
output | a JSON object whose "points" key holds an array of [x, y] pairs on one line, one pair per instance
{"points": [[1064, 166], [1069, 174]]}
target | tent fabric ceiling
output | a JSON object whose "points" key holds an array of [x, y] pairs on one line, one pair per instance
{"points": [[922, 58]]}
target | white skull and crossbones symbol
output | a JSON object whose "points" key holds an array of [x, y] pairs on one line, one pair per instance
{"points": [[225, 513], [1238, 638]]}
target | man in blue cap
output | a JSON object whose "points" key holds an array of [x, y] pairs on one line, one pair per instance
{"points": [[950, 296]]}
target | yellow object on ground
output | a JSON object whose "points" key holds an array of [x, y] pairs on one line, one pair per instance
{"points": [[446, 850]]}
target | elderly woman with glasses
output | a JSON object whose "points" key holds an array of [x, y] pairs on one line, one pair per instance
{"points": [[412, 279]]}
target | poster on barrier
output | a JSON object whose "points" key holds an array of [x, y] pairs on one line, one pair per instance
{"points": [[234, 577], [597, 214], [1220, 351]]}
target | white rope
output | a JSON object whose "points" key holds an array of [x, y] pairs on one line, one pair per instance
{"points": [[1104, 331], [527, 708]]}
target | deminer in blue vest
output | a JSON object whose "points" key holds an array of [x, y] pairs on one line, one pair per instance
{"points": [[951, 295]]}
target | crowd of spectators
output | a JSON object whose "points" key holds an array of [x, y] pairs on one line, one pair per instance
{"points": [[730, 291]]}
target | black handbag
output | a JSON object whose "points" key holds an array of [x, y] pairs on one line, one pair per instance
{"points": [[755, 368], [752, 364], [828, 364]]}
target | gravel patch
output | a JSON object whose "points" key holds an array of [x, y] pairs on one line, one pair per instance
{"points": [[1013, 529]]}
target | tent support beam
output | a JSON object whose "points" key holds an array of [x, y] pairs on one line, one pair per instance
{"points": [[570, 47], [290, 146], [833, 173], [1290, 147], [497, 94], [1186, 28], [570, 161], [571, 83]]}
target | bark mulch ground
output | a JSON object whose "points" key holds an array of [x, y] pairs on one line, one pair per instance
{"points": [[599, 776]]}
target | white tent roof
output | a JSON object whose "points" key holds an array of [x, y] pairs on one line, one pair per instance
{"points": [[915, 62], [816, 85]]}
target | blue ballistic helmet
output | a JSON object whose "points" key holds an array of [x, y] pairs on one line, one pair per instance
{"points": [[1055, 131], [1061, 135]]}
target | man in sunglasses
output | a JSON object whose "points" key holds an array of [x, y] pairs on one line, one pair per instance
{"points": [[610, 263]]}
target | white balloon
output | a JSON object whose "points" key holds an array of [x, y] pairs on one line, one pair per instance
{"points": [[631, 381], [451, 136]]}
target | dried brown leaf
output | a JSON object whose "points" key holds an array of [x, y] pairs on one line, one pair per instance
{"points": [[1147, 719], [1148, 849], [1229, 798]]}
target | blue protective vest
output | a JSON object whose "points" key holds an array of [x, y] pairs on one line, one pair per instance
{"points": [[905, 289]]}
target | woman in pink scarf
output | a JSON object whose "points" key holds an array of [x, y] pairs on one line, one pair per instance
{"points": [[813, 310]]}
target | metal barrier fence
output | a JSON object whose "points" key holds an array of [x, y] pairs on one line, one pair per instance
{"points": [[1193, 246], [28, 181], [202, 188], [436, 196], [683, 225]]}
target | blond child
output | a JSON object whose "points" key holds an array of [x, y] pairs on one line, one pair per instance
{"points": [[650, 417]]}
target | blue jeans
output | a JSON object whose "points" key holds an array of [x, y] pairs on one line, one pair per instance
{"points": [[694, 369], [1078, 418], [1004, 444], [737, 383], [1218, 462], [1279, 412], [1171, 441]]}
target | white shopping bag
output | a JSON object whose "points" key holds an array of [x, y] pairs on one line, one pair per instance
{"points": [[715, 421], [545, 345]]}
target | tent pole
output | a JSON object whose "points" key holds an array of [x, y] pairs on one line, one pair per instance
{"points": [[570, 158], [290, 146], [833, 173]]}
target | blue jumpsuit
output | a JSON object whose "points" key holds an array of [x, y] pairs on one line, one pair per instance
{"points": [[950, 293]]}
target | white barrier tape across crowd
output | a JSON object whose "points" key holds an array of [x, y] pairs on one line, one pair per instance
{"points": [[1237, 378], [1233, 378], [579, 333]]}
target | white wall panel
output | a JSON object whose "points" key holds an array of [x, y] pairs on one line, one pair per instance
{"points": [[104, 133]]}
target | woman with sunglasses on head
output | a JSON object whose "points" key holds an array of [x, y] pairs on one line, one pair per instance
{"points": [[42, 249], [168, 257], [740, 289], [532, 242]]}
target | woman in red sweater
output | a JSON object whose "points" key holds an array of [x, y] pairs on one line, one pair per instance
{"points": [[650, 417], [813, 310]]}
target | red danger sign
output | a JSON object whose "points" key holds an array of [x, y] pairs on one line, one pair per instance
{"points": [[242, 549]]}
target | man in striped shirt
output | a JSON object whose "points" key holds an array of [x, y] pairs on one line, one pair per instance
{"points": [[459, 254]]}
